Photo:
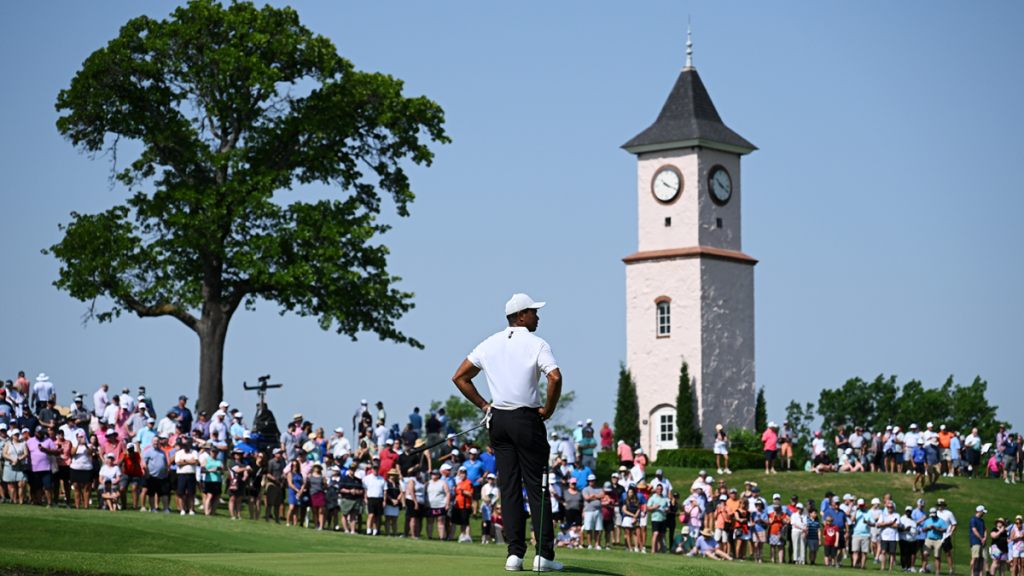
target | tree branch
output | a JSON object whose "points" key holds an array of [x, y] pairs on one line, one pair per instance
{"points": [[155, 310]]}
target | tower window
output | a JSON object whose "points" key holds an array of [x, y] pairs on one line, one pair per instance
{"points": [[664, 325], [666, 428], [668, 221], [718, 222]]}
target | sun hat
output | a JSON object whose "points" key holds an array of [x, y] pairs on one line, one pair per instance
{"points": [[707, 532], [623, 469], [394, 472], [42, 377], [718, 426], [419, 442], [520, 302]]}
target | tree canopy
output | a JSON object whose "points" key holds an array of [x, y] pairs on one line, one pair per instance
{"points": [[627, 409], [232, 105]]}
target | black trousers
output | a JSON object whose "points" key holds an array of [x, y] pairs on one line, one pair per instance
{"points": [[520, 444]]}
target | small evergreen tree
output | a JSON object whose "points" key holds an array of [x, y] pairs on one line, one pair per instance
{"points": [[688, 432], [760, 412], [627, 409]]}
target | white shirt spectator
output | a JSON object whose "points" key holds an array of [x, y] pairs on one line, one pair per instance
{"points": [[168, 426], [381, 433], [818, 445], [340, 446], [42, 390], [972, 441], [218, 431], [490, 490], [911, 439], [127, 402], [181, 456], [568, 451], [889, 533], [666, 486], [927, 435], [798, 521], [112, 473], [513, 361], [111, 412], [374, 486], [950, 521], [100, 401]]}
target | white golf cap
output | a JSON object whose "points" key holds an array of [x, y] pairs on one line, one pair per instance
{"points": [[912, 426], [151, 420], [3, 426], [981, 509], [363, 401], [474, 451], [639, 450], [776, 496], [889, 427], [238, 415], [591, 477], [658, 472], [555, 435], [220, 413], [860, 501], [943, 427], [848, 451], [246, 435], [389, 441], [590, 420], [339, 430], [771, 424], [847, 496], [579, 422], [455, 452], [930, 425], [491, 476], [799, 506], [876, 501], [223, 405], [521, 302], [141, 398]]}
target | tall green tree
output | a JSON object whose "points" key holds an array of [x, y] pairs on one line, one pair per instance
{"points": [[760, 412], [627, 409], [687, 427], [800, 421], [229, 107]]}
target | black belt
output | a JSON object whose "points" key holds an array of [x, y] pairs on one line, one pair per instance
{"points": [[522, 410]]}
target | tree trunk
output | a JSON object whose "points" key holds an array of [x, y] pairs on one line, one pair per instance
{"points": [[212, 330]]}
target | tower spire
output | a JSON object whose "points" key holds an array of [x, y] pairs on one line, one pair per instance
{"points": [[689, 47]]}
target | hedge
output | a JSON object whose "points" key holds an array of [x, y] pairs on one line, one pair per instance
{"points": [[688, 458], [699, 458]]}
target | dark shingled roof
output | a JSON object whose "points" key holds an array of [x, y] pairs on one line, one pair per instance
{"points": [[688, 114]]}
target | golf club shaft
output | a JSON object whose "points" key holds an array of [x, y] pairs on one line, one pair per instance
{"points": [[436, 444]]}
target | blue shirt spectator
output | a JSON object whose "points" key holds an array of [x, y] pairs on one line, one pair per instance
{"points": [[490, 464], [918, 515], [935, 528], [838, 517], [931, 455], [918, 455], [474, 471], [416, 420], [977, 524], [580, 474]]}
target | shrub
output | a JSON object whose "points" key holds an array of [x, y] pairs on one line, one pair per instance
{"points": [[699, 458]]}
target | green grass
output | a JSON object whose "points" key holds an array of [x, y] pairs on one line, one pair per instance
{"points": [[37, 540]]}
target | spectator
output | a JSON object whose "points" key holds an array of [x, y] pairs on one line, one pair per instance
{"points": [[889, 523], [41, 478], [110, 477], [972, 449], [186, 460], [315, 485], [593, 521], [373, 494], [976, 538], [934, 528], [132, 477], [382, 416], [708, 547], [607, 437], [786, 444], [657, 506], [363, 410], [416, 420], [42, 392], [632, 507], [588, 449], [1011, 450], [296, 493], [625, 455], [947, 537], [770, 440], [1000, 550], [416, 505], [183, 415], [15, 456], [392, 502], [238, 479], [438, 496]]}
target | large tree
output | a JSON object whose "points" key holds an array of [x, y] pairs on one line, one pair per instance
{"points": [[230, 106]]}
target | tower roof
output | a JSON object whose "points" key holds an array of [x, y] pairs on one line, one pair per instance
{"points": [[688, 118]]}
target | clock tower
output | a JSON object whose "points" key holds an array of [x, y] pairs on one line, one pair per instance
{"points": [[689, 286]]}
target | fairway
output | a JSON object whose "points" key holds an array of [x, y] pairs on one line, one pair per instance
{"points": [[38, 540]]}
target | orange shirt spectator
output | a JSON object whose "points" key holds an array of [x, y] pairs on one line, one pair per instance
{"points": [[944, 437], [463, 501]]}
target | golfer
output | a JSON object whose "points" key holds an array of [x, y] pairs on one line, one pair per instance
{"points": [[513, 361]]}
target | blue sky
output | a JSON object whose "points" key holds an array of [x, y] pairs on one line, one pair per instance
{"points": [[883, 203]]}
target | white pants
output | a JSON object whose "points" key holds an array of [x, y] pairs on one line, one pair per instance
{"points": [[799, 546]]}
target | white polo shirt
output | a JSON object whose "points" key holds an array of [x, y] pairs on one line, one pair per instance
{"points": [[513, 361]]}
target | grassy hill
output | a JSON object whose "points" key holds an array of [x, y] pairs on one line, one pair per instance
{"points": [[37, 540]]}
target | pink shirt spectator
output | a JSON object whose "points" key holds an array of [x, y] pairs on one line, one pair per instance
{"points": [[606, 437], [40, 460], [770, 439], [117, 449], [625, 453], [120, 426]]}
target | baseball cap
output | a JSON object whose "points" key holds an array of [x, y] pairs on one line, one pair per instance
{"points": [[589, 478], [491, 475], [110, 456], [389, 441], [756, 489], [521, 302], [799, 506], [27, 431], [912, 426], [363, 401], [940, 502], [848, 451], [639, 451], [771, 425], [732, 491], [908, 508], [933, 512], [817, 432], [847, 496], [776, 496], [835, 499], [238, 415], [339, 430], [151, 420], [860, 501], [463, 469], [474, 451], [277, 450], [943, 427], [223, 405], [981, 509], [182, 397], [876, 501], [658, 472], [571, 480], [446, 466], [3, 426], [579, 422], [78, 398], [920, 501]]}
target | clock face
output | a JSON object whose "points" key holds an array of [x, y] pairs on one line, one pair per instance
{"points": [[667, 184], [720, 185]]}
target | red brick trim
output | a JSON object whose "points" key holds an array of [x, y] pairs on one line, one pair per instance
{"points": [[693, 252], [661, 299]]}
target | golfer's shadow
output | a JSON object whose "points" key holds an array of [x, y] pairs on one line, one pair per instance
{"points": [[567, 569]]}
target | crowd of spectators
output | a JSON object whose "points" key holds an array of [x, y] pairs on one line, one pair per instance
{"points": [[119, 456]]}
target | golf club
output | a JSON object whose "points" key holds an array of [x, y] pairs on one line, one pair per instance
{"points": [[543, 501], [435, 444]]}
